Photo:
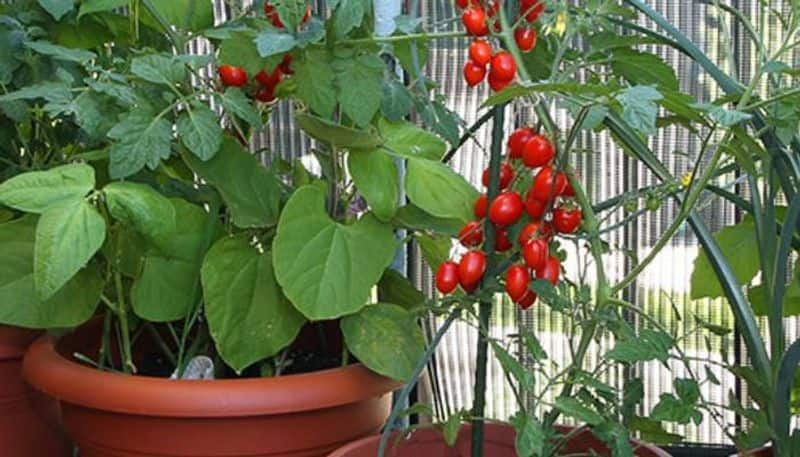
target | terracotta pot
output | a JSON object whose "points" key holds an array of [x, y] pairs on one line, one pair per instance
{"points": [[498, 442], [29, 421], [114, 415], [765, 451]]}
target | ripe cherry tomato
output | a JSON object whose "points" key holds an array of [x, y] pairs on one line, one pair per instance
{"points": [[474, 19], [496, 84], [506, 175], [501, 241], [503, 66], [462, 3], [532, 9], [550, 271], [480, 207], [265, 94], [534, 230], [232, 76], [286, 65], [273, 16], [548, 183], [474, 73], [480, 52], [447, 277], [517, 140], [270, 79], [525, 38], [306, 15], [535, 253], [492, 8], [534, 207], [471, 269], [506, 208], [527, 300], [517, 279], [566, 220], [471, 234], [538, 152]]}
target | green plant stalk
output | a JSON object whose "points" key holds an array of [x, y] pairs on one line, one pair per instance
{"points": [[125, 335], [485, 307], [783, 387], [401, 38]]}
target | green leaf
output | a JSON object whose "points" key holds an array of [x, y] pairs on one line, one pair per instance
{"points": [[20, 305], [396, 100], [649, 345], [530, 438], [338, 135], [312, 32], [169, 285], [386, 338], [358, 79], [641, 68], [672, 409], [572, 407], [652, 431], [35, 191], [327, 269], [451, 427], [142, 208], [718, 330], [438, 190], [236, 103], [159, 69], [616, 436], [55, 51], [740, 247], [411, 217], [639, 109], [407, 140], [435, 249], [50, 91], [251, 192], [724, 116], [314, 79], [67, 236], [397, 289], [57, 8], [272, 42], [403, 52], [96, 6], [193, 15], [570, 88], [141, 139], [376, 177], [248, 316], [791, 299], [348, 15], [512, 366], [290, 12], [199, 130]]}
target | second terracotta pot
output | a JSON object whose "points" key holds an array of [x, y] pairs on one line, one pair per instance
{"points": [[113, 415]]}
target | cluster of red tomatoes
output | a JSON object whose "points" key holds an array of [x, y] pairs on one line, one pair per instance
{"points": [[267, 81], [502, 68], [550, 208]]}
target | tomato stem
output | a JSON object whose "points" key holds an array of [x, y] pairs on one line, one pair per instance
{"points": [[401, 38]]}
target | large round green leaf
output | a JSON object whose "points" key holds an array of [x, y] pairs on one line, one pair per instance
{"points": [[376, 178], [140, 207], [438, 190], [72, 305], [249, 317], [34, 191], [386, 338], [328, 269]]}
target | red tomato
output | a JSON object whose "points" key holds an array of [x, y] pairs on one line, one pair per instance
{"points": [[538, 152], [471, 269], [480, 52], [550, 271], [548, 183], [501, 241], [565, 220], [286, 65], [506, 208], [474, 19], [273, 16], [496, 84], [232, 76], [532, 9], [534, 230], [270, 79], [517, 140], [462, 3], [474, 73], [480, 207], [503, 66], [525, 38], [535, 253], [527, 300], [506, 175], [265, 94], [534, 207], [471, 234], [493, 8], [447, 277], [306, 15], [517, 279]]}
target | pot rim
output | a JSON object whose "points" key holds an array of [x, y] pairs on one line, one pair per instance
{"points": [[78, 384], [15, 340]]}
